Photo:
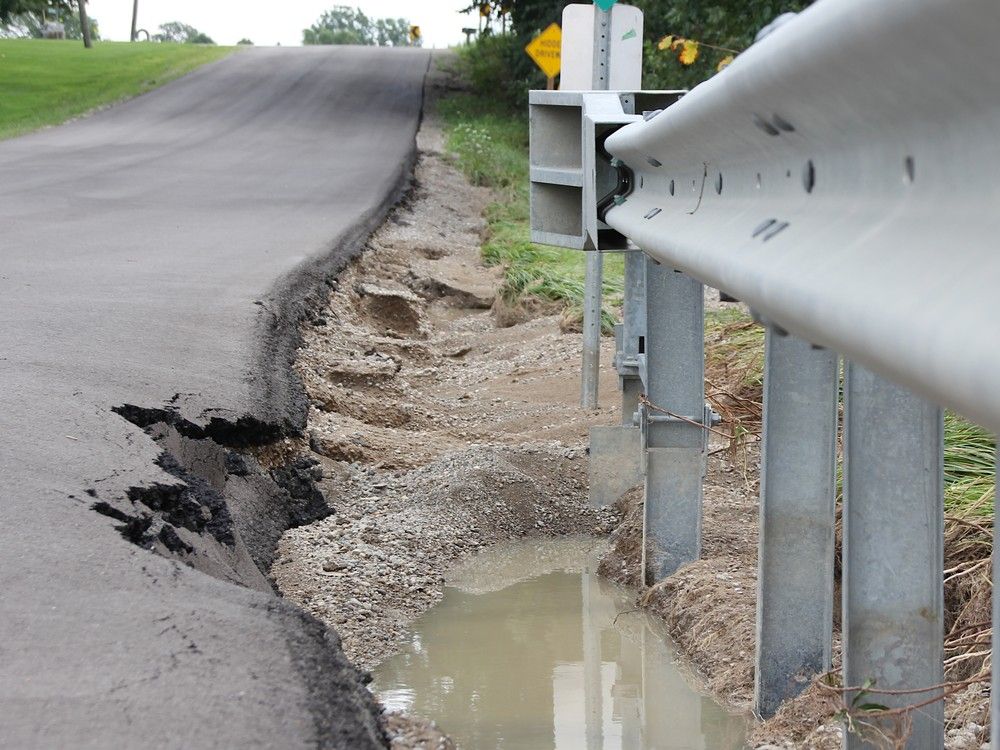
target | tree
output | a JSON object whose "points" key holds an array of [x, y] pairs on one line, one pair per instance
{"points": [[12, 10], [181, 33], [392, 32], [498, 65], [245, 42], [722, 27], [85, 24], [33, 26], [345, 25]]}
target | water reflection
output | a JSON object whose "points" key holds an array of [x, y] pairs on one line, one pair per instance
{"points": [[525, 652]]}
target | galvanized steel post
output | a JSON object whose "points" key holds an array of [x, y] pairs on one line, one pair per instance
{"points": [[675, 449], [633, 332], [798, 486], [893, 625], [594, 271], [591, 372]]}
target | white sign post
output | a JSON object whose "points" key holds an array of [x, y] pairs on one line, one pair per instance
{"points": [[601, 51]]}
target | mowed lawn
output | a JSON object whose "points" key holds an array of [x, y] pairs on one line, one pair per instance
{"points": [[45, 82]]}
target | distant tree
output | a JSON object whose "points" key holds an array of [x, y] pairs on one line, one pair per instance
{"points": [[13, 14], [392, 32], [345, 25], [31, 25], [181, 33], [75, 31], [246, 42]]}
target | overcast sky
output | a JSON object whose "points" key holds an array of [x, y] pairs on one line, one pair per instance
{"points": [[268, 23]]}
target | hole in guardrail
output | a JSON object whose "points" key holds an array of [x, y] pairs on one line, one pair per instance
{"points": [[764, 125], [909, 170], [783, 124], [763, 225], [653, 162], [652, 213], [758, 181], [671, 187], [809, 176], [788, 173], [775, 230], [718, 184], [642, 345]]}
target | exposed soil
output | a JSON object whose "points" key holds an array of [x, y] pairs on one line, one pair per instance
{"points": [[440, 428]]}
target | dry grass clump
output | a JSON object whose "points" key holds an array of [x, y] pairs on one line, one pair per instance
{"points": [[709, 607], [622, 562], [734, 375]]}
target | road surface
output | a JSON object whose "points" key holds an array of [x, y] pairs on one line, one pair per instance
{"points": [[157, 255]]}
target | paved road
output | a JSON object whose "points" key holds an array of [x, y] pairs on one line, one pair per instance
{"points": [[160, 248]]}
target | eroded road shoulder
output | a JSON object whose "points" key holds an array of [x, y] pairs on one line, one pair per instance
{"points": [[440, 432]]}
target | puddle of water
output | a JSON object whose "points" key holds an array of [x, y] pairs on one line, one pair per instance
{"points": [[525, 653]]}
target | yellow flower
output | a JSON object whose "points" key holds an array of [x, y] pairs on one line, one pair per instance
{"points": [[689, 52]]}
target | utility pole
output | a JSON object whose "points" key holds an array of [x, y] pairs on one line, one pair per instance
{"points": [[85, 24], [135, 20]]}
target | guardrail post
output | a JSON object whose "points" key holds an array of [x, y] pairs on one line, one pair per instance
{"points": [[893, 626], [591, 372], [675, 449], [798, 485], [594, 270], [633, 333], [615, 464]]}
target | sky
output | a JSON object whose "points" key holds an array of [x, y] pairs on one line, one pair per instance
{"points": [[268, 23]]}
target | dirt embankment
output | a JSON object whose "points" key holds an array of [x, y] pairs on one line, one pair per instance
{"points": [[439, 432]]}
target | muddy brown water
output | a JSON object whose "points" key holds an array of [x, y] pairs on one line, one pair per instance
{"points": [[529, 649]]}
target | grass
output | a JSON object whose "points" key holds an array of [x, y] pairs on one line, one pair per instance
{"points": [[491, 147], [46, 82], [969, 469], [735, 354]]}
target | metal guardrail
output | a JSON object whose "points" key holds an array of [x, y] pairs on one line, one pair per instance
{"points": [[840, 177]]}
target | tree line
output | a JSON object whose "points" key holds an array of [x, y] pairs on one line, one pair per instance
{"points": [[497, 63]]}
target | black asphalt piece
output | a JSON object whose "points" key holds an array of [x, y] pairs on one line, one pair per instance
{"points": [[154, 261]]}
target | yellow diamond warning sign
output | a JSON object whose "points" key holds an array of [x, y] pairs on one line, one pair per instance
{"points": [[546, 50]]}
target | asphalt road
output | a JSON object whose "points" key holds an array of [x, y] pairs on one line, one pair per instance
{"points": [[158, 248]]}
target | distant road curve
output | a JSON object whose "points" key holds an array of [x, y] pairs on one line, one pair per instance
{"points": [[154, 260]]}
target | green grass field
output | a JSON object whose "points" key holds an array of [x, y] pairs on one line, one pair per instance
{"points": [[45, 82], [491, 146]]}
